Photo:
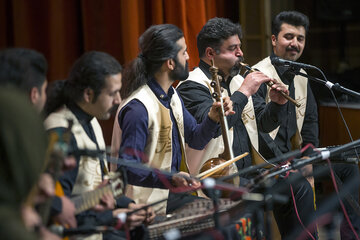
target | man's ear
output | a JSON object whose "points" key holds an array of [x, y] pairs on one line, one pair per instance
{"points": [[273, 40], [170, 63], [210, 53], [34, 95], [88, 95]]}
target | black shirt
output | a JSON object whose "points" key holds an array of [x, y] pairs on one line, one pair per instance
{"points": [[198, 100], [287, 119], [68, 179]]}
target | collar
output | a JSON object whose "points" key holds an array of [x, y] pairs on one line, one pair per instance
{"points": [[159, 92], [79, 113]]}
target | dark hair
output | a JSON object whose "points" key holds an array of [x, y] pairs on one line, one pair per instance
{"points": [[157, 44], [215, 32], [89, 71], [290, 17], [22, 68]]}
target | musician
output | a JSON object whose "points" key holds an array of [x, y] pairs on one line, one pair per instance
{"points": [[91, 92], [26, 69], [152, 120], [299, 126], [219, 40], [22, 156]]}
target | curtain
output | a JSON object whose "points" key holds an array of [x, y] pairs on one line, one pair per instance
{"points": [[64, 29]]}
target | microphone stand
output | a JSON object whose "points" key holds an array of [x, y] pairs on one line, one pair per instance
{"points": [[328, 84], [321, 156]]}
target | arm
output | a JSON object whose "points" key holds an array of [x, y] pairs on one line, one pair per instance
{"points": [[268, 116], [198, 101], [67, 181]]}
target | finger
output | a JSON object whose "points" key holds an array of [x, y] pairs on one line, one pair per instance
{"points": [[72, 222], [98, 208]]}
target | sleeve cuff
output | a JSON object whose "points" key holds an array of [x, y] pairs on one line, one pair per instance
{"points": [[239, 98], [56, 206], [123, 202]]}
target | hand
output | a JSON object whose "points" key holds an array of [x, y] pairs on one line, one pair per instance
{"points": [[307, 172], [150, 214], [30, 217], [67, 216], [252, 82], [46, 188], [275, 95], [132, 220], [107, 201], [228, 109], [183, 179]]}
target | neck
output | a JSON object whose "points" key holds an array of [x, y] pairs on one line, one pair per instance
{"points": [[163, 79], [85, 107], [221, 72]]}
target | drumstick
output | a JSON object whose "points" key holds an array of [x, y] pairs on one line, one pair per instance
{"points": [[211, 171]]}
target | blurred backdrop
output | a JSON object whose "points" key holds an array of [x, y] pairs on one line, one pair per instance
{"points": [[64, 29]]}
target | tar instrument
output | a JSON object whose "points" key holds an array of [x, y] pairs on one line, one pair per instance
{"points": [[220, 166], [196, 217], [270, 83]]}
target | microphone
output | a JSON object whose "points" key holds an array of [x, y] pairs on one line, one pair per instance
{"points": [[287, 63], [83, 230]]}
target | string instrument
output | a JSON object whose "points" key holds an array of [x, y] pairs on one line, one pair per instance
{"points": [[88, 200], [227, 153], [270, 83], [194, 217], [54, 162]]}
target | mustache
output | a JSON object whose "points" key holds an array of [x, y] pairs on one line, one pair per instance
{"points": [[292, 48], [240, 59], [113, 109], [236, 68]]}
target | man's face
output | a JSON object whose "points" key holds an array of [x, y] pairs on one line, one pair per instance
{"points": [[40, 96], [181, 70], [108, 99], [229, 54], [290, 42]]}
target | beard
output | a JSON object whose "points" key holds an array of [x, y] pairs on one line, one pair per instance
{"points": [[235, 70], [180, 72]]}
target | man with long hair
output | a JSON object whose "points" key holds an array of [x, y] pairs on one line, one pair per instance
{"points": [[152, 125]]}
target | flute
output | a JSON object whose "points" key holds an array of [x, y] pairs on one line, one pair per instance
{"points": [[270, 83]]}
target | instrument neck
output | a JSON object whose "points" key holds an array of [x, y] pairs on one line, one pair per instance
{"points": [[228, 153]]}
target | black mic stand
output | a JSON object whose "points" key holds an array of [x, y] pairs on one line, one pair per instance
{"points": [[209, 184], [328, 84]]}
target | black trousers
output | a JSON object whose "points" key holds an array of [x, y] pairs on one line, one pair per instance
{"points": [[350, 177], [285, 214]]}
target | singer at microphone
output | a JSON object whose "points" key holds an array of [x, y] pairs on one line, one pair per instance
{"points": [[293, 128]]}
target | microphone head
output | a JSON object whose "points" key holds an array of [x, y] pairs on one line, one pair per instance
{"points": [[276, 61]]}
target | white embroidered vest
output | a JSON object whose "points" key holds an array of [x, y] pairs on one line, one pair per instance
{"points": [[300, 85], [216, 146], [159, 144], [89, 174]]}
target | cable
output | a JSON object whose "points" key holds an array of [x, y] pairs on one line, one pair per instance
{"points": [[340, 201]]}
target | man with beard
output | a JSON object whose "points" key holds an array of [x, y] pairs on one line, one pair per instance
{"points": [[91, 92], [219, 40], [299, 126], [152, 125]]}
